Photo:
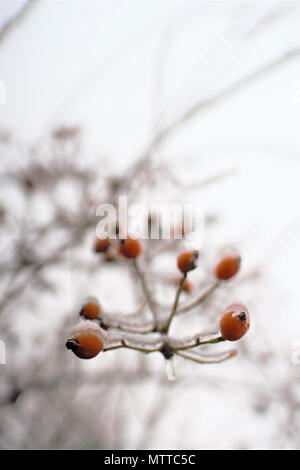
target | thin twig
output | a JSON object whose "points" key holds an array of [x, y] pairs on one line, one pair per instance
{"points": [[201, 298], [16, 18], [215, 99], [194, 358], [114, 321], [146, 290], [127, 345], [198, 342], [175, 305], [124, 343]]}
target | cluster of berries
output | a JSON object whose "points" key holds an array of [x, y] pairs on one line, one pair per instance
{"points": [[128, 248], [90, 337]]}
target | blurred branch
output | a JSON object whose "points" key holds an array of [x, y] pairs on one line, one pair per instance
{"points": [[200, 298], [175, 305], [220, 96], [16, 19], [207, 360], [146, 289]]}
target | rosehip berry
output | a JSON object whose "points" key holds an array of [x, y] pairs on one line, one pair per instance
{"points": [[186, 261], [227, 267], [101, 245], [86, 340], [130, 248], [90, 309], [235, 322]]}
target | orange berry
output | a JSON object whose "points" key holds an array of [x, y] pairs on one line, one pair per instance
{"points": [[235, 322], [130, 248], [186, 261], [90, 309], [227, 267], [86, 340], [86, 346], [101, 245]]}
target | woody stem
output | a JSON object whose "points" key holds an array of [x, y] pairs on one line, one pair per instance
{"points": [[175, 305]]}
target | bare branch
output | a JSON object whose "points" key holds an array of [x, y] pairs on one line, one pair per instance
{"points": [[207, 360], [201, 298], [16, 18], [217, 98], [174, 309], [146, 289]]}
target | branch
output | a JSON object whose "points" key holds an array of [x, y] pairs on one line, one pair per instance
{"points": [[200, 299], [145, 288], [174, 309], [16, 18], [220, 96], [153, 345], [208, 360], [193, 341], [121, 322], [196, 341]]}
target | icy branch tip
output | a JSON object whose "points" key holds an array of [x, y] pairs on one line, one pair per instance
{"points": [[170, 371]]}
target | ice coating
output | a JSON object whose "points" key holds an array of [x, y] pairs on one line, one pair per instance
{"points": [[88, 326]]}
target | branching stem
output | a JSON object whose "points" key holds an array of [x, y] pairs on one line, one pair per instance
{"points": [[145, 288], [197, 342], [200, 299], [175, 305], [200, 360]]}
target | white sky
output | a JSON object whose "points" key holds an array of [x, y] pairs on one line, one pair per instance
{"points": [[115, 66], [95, 62]]}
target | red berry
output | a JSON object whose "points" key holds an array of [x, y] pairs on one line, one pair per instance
{"points": [[85, 346], [235, 322], [101, 245], [90, 309], [186, 261], [86, 340], [130, 248], [227, 267]]}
